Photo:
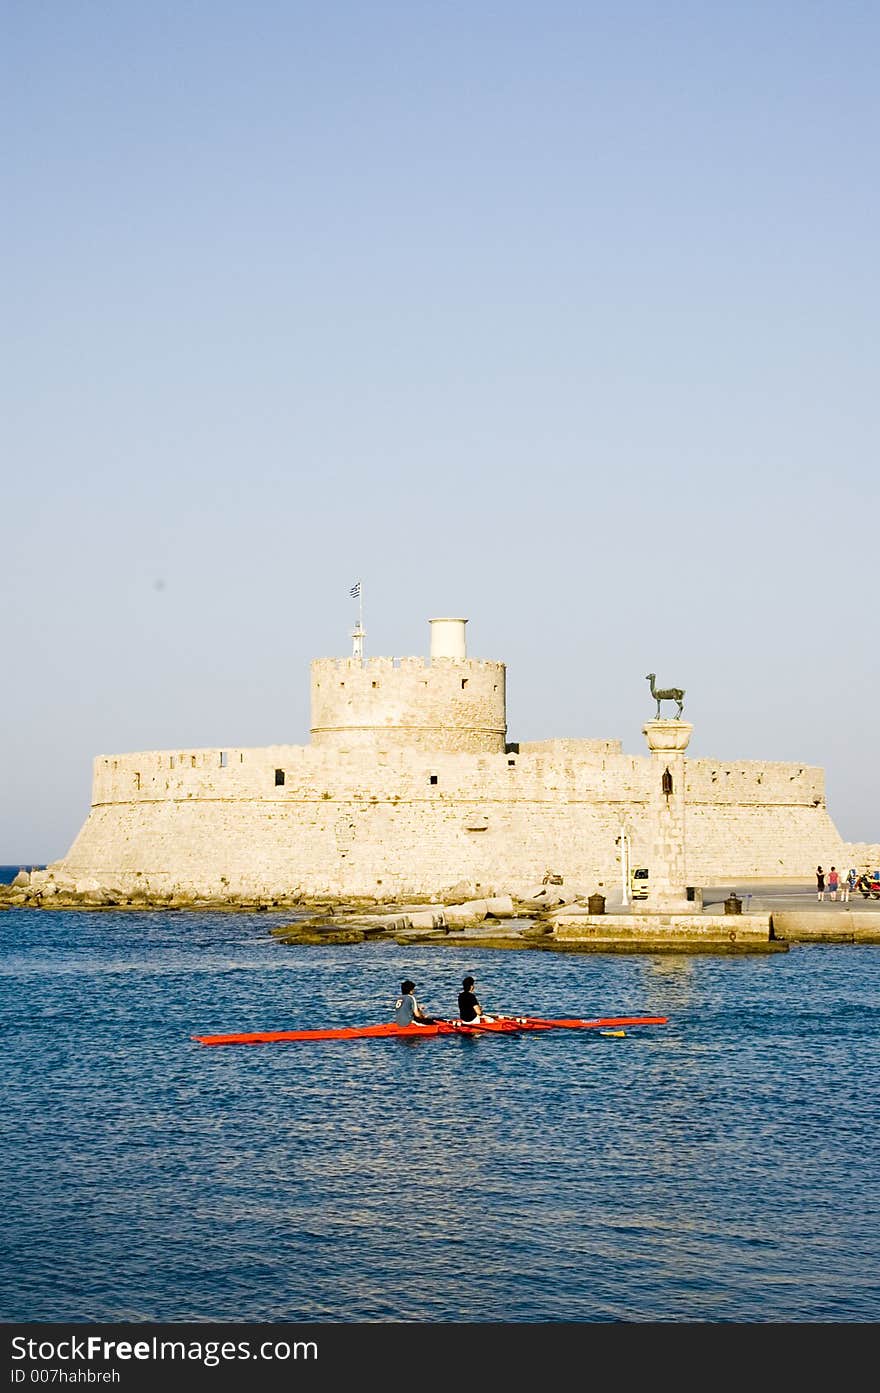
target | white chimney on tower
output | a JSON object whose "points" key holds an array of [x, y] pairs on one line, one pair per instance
{"points": [[447, 638]]}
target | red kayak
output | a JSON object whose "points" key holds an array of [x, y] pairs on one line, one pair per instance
{"points": [[500, 1025]]}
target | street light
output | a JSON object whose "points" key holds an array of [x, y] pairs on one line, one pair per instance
{"points": [[623, 839]]}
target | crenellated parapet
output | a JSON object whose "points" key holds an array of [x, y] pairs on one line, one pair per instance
{"points": [[409, 784], [442, 705], [754, 781]]}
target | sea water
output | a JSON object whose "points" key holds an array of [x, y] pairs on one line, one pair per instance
{"points": [[8, 873], [723, 1167]]}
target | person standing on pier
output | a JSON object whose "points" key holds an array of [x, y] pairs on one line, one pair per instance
{"points": [[820, 883]]}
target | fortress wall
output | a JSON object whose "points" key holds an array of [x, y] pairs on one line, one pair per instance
{"points": [[726, 841], [753, 781], [338, 847], [211, 773], [755, 818], [864, 856], [581, 750], [446, 704], [572, 769], [386, 848], [344, 823], [393, 774], [202, 847], [408, 786]]}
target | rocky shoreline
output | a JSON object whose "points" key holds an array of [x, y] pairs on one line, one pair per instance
{"points": [[457, 907], [349, 920], [549, 916]]}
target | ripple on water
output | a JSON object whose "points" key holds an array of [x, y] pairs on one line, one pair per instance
{"points": [[721, 1168]]}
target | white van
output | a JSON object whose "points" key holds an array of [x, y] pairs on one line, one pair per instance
{"points": [[638, 883]]}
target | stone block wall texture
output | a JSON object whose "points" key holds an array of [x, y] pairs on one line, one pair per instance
{"points": [[414, 822], [408, 787], [377, 703]]}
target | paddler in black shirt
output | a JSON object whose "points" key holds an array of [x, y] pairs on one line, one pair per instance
{"points": [[469, 1009]]}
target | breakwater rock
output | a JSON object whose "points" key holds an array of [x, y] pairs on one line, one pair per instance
{"points": [[548, 917], [402, 923], [52, 889]]}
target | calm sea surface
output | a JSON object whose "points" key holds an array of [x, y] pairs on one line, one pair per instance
{"points": [[721, 1168]]}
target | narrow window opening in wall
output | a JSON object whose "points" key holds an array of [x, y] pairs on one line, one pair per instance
{"points": [[432, 778], [511, 764], [279, 778], [137, 781], [241, 758], [375, 684], [342, 684], [464, 683], [171, 762], [192, 760], [224, 759], [116, 764]]}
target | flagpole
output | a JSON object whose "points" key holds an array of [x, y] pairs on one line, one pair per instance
{"points": [[357, 650]]}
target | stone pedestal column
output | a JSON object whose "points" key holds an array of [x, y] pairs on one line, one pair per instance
{"points": [[666, 860]]}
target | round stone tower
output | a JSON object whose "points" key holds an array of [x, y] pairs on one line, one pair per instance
{"points": [[449, 703]]}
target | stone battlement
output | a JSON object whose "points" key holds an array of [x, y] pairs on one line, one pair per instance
{"points": [[371, 666], [409, 784], [447, 704]]}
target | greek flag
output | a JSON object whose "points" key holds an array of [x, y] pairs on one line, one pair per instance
{"points": [[355, 590]]}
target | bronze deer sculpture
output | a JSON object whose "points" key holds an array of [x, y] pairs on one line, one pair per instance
{"points": [[666, 694]]}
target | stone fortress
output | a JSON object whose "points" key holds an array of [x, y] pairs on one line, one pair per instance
{"points": [[410, 786]]}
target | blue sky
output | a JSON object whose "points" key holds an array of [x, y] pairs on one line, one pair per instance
{"points": [[560, 317]]}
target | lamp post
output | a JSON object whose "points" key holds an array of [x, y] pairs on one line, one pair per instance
{"points": [[624, 863]]}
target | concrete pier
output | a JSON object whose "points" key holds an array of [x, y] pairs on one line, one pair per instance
{"points": [[662, 931]]}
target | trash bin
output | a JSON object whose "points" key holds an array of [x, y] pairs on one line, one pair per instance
{"points": [[732, 905], [596, 904]]}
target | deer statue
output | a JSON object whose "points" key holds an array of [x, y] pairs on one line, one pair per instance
{"points": [[666, 694]]}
